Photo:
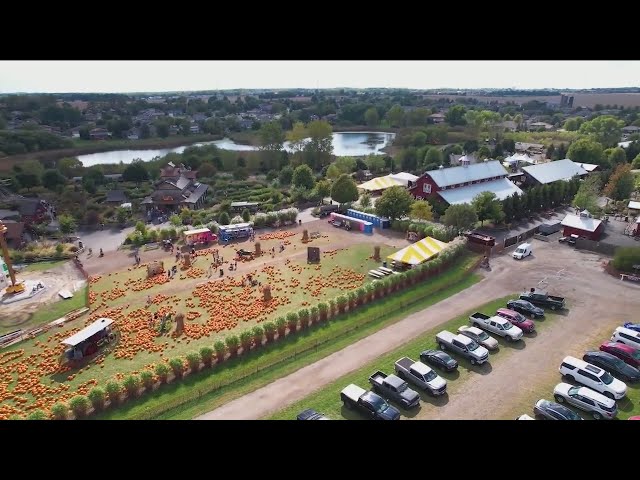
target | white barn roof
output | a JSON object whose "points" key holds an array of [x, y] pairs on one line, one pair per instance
{"points": [[589, 167], [87, 332], [634, 205], [554, 171], [464, 174], [403, 177], [503, 188], [588, 224]]}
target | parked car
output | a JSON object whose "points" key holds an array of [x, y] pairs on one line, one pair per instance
{"points": [[554, 411], [519, 320], [586, 399], [421, 376], [522, 251], [311, 414], [628, 354], [593, 377], [525, 308], [394, 388], [635, 417], [632, 326], [612, 364], [525, 417], [479, 336], [368, 403], [463, 346], [626, 336], [497, 325], [543, 299], [440, 359]]}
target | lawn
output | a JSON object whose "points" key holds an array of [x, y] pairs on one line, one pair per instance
{"points": [[51, 312], [42, 266], [208, 389], [327, 400], [213, 310]]}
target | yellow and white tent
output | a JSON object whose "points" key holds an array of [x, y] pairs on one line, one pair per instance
{"points": [[419, 252], [380, 183]]}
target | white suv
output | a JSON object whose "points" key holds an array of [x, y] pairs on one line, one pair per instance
{"points": [[593, 377], [626, 336], [586, 399]]}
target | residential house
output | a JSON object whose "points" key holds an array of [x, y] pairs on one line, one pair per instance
{"points": [[583, 225], [461, 184], [436, 118], [194, 129], [509, 125], [176, 189], [537, 126], [199, 117], [174, 130], [75, 132], [32, 210], [529, 148], [246, 123], [116, 197], [546, 173], [99, 134], [630, 129], [133, 134], [9, 215]]}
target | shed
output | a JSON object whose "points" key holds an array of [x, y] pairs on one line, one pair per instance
{"points": [[582, 225]]}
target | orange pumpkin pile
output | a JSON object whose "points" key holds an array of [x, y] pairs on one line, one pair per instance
{"points": [[276, 235]]}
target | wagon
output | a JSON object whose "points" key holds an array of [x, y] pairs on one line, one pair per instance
{"points": [[98, 337]]}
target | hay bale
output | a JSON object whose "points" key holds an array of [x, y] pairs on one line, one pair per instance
{"points": [[258, 249], [266, 292], [305, 236], [179, 324], [376, 253], [186, 260]]}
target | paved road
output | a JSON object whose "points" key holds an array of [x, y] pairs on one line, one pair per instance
{"points": [[108, 239], [587, 288]]}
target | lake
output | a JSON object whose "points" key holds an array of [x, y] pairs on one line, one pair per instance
{"points": [[351, 144]]}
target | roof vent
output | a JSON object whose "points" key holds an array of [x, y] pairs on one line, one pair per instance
{"points": [[440, 167]]}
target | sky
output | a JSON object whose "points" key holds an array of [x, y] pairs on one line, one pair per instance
{"points": [[163, 76]]}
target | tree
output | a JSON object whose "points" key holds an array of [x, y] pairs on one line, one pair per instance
{"points": [[395, 116], [488, 207], [297, 138], [333, 172], [484, 152], [122, 215], [323, 188], [461, 216], [285, 175], [586, 197], [135, 172], [621, 183], [271, 142], [223, 219], [409, 159], [344, 189], [394, 203], [605, 129], [241, 173], [52, 178], [636, 162], [67, 224], [433, 155], [345, 164], [365, 200], [319, 148], [70, 166], [246, 215], [586, 150], [421, 210], [507, 208], [617, 156], [456, 115], [303, 177], [162, 129], [371, 117], [573, 124]]}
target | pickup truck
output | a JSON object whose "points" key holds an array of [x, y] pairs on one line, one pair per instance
{"points": [[368, 403], [394, 388], [463, 346], [498, 325], [543, 299], [421, 375]]}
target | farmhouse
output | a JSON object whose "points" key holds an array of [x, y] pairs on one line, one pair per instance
{"points": [[583, 225], [545, 173], [176, 189], [461, 184]]}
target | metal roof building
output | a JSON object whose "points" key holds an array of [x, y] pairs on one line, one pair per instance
{"points": [[545, 173]]}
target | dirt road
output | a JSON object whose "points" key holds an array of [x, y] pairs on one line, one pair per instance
{"points": [[597, 304]]}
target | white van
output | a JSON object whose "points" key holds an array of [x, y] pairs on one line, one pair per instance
{"points": [[522, 251], [626, 336], [593, 377]]}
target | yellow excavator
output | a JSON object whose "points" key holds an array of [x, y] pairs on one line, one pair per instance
{"points": [[15, 287]]}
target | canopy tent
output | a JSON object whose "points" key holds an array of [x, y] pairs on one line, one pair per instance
{"points": [[419, 252], [381, 183], [88, 332]]}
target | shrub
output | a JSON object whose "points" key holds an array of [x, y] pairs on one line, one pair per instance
{"points": [[257, 332], [97, 397], [341, 302], [314, 313], [194, 359], [625, 258], [259, 220], [245, 339], [147, 379], [271, 219], [37, 415], [281, 325], [220, 348], [323, 308], [114, 389], [60, 411], [206, 354], [177, 366], [162, 371], [131, 385], [232, 342], [79, 405], [270, 329], [332, 306], [59, 249], [236, 219], [292, 320], [303, 314]]}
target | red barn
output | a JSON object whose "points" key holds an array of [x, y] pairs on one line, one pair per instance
{"points": [[583, 225], [461, 184]]}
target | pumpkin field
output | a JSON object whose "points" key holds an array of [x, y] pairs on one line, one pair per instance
{"points": [[213, 307]]}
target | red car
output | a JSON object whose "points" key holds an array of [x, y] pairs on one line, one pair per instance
{"points": [[630, 355], [517, 319], [637, 417]]}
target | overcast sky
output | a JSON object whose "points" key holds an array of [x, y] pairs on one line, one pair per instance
{"points": [[159, 76]]}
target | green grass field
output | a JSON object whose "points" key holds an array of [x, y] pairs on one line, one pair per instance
{"points": [[327, 400], [42, 266], [209, 389]]}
